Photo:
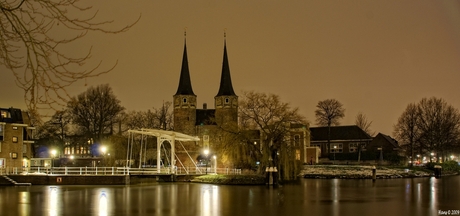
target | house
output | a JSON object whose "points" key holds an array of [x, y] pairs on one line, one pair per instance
{"points": [[383, 143], [16, 139], [385, 149], [343, 140]]}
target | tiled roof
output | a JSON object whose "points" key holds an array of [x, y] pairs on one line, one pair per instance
{"points": [[389, 139], [350, 132]]}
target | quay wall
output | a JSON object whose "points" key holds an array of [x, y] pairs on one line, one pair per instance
{"points": [[94, 179]]}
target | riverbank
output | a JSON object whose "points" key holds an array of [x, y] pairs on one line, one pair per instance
{"points": [[326, 172], [362, 172], [230, 179]]}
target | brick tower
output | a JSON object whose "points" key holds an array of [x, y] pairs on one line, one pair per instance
{"points": [[184, 101]]}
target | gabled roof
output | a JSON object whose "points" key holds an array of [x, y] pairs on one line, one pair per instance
{"points": [[205, 117], [185, 84], [226, 87], [350, 132], [390, 140]]}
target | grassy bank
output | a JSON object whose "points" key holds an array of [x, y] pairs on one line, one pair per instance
{"points": [[231, 179], [330, 171], [362, 172]]}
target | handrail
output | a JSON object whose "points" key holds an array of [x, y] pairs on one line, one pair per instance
{"points": [[114, 171]]}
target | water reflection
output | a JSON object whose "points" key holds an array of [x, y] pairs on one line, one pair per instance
{"points": [[103, 206], [53, 201], [210, 200], [23, 202], [422, 196]]}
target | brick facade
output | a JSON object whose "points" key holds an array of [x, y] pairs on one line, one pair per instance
{"points": [[16, 139]]}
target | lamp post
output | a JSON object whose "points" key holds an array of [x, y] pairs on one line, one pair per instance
{"points": [[335, 149], [103, 150], [215, 164], [53, 154], [206, 152]]}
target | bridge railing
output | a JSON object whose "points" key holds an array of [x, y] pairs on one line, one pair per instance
{"points": [[115, 171]]}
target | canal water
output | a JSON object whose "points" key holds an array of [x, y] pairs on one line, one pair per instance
{"points": [[418, 196]]}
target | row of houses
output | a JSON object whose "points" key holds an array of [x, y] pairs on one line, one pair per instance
{"points": [[346, 143]]}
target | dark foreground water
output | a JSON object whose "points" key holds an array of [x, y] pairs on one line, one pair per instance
{"points": [[420, 196]]}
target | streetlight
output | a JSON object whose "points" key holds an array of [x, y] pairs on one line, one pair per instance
{"points": [[206, 152]]}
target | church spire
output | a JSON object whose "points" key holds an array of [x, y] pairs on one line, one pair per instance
{"points": [[226, 87], [185, 84]]}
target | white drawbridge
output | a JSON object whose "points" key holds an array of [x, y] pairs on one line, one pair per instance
{"points": [[162, 135]]}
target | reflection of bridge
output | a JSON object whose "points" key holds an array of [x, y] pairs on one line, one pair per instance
{"points": [[162, 136]]}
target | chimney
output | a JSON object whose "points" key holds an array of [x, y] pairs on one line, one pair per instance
{"points": [[205, 106]]}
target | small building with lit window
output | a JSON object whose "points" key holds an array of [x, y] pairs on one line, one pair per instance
{"points": [[16, 139], [347, 140]]}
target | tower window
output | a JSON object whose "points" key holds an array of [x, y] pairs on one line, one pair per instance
{"points": [[226, 100], [185, 100]]}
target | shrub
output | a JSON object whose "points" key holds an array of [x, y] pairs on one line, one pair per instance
{"points": [[451, 166]]}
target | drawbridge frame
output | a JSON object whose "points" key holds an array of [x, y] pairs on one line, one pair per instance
{"points": [[162, 135]]}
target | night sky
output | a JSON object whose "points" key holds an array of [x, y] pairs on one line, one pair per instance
{"points": [[373, 56]]}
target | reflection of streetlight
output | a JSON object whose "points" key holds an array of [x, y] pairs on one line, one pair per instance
{"points": [[206, 152]]}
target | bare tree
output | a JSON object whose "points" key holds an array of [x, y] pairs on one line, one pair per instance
{"points": [[93, 111], [432, 126], [362, 122], [439, 124], [329, 112], [31, 48], [160, 118], [164, 116], [53, 133], [266, 113], [406, 130], [140, 119]]}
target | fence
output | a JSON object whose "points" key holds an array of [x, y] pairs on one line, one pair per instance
{"points": [[114, 171]]}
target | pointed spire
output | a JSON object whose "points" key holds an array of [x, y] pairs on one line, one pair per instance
{"points": [[226, 87], [185, 84]]}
